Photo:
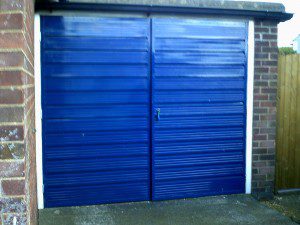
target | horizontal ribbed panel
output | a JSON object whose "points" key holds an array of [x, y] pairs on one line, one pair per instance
{"points": [[94, 26], [73, 195], [96, 111], [88, 43], [95, 71], [200, 29], [91, 151], [95, 57], [199, 71], [94, 97], [95, 81], [199, 85]]}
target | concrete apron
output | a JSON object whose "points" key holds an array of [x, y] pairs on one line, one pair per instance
{"points": [[230, 209]]}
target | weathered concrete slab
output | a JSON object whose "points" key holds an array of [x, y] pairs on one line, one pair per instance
{"points": [[287, 204], [220, 210], [215, 4]]}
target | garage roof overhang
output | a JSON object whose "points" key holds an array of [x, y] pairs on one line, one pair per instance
{"points": [[256, 10]]}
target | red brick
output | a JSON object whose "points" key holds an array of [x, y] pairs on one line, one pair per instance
{"points": [[20, 218], [12, 205], [11, 21], [268, 104], [274, 30], [13, 78], [269, 37], [13, 187], [270, 49], [11, 40], [260, 137], [262, 29], [273, 70], [12, 114], [11, 169], [11, 133], [264, 120], [11, 96], [261, 70], [11, 5], [11, 150], [18, 53], [260, 97], [270, 63], [269, 90], [11, 59], [269, 23], [257, 36]]}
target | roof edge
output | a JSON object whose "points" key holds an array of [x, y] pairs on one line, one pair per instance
{"points": [[279, 16]]}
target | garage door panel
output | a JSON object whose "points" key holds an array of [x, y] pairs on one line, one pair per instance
{"points": [[202, 91], [92, 57], [96, 84], [198, 147], [195, 28], [96, 71], [94, 26], [178, 97], [95, 110], [190, 58], [195, 188], [190, 122], [92, 111], [197, 160], [191, 110], [199, 134], [196, 83], [199, 71], [90, 164], [139, 175], [85, 151], [72, 195], [91, 98], [88, 43], [194, 44], [130, 136], [88, 125], [207, 170]]}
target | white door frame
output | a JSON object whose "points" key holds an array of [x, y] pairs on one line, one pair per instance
{"points": [[38, 110], [249, 122]]}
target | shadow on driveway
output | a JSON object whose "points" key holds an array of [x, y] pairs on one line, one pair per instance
{"points": [[218, 210]]}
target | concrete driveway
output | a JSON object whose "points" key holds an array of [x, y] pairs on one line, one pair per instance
{"points": [[230, 209], [287, 204]]}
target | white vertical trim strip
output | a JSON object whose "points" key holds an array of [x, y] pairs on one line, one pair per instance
{"points": [[249, 124], [38, 110]]}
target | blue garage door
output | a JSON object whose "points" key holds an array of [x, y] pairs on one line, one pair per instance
{"points": [[95, 99], [199, 89], [140, 109]]}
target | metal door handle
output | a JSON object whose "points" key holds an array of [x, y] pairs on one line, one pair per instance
{"points": [[157, 114]]}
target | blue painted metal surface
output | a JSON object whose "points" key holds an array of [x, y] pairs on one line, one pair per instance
{"points": [[140, 109], [95, 99], [199, 85]]}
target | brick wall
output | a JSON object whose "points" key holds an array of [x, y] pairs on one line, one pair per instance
{"points": [[264, 118], [17, 138]]}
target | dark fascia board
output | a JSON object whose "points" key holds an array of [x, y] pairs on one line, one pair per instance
{"points": [[265, 15]]}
